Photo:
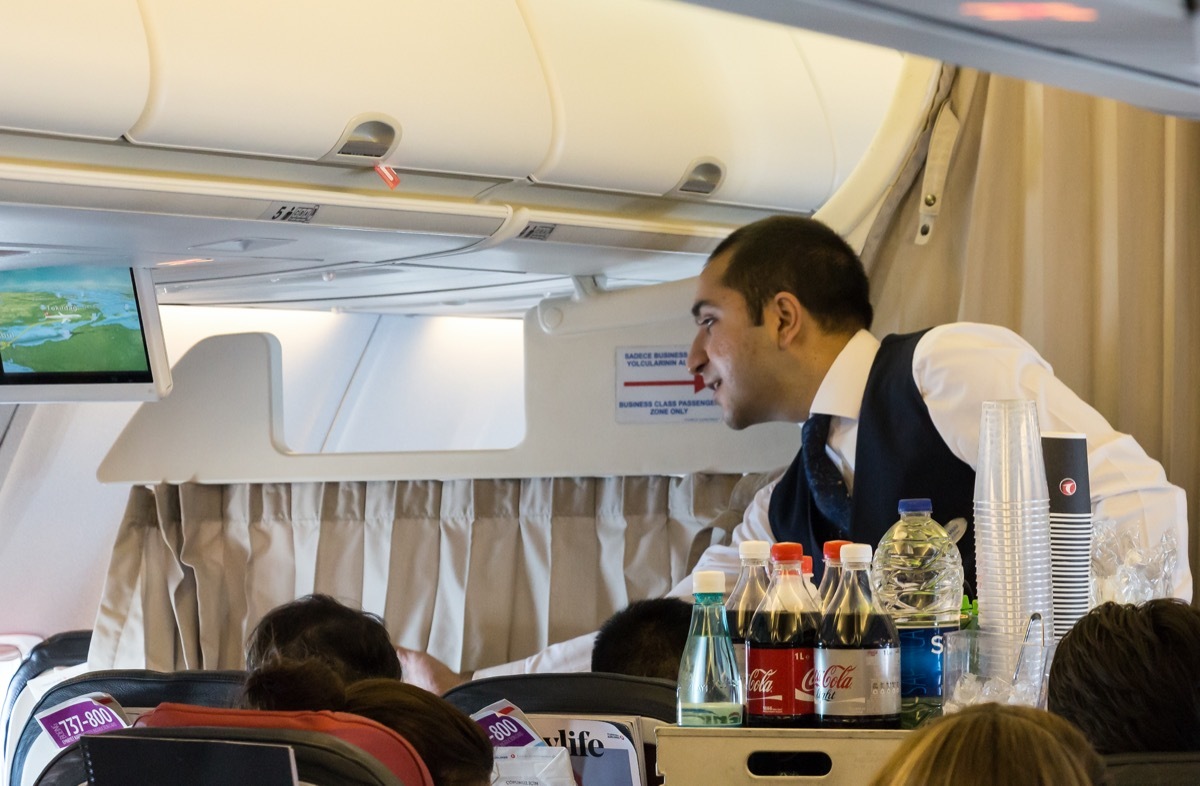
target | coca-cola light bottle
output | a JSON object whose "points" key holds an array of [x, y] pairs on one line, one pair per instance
{"points": [[779, 649], [747, 593], [858, 653]]}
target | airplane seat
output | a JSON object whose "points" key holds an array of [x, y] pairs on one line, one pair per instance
{"points": [[618, 698], [386, 745], [1169, 768], [69, 648], [215, 756], [136, 690]]}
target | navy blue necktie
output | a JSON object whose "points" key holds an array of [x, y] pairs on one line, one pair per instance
{"points": [[824, 480]]}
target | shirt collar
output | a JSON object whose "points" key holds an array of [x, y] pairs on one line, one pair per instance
{"points": [[841, 392]]}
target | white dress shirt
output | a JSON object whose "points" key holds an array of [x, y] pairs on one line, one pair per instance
{"points": [[956, 367]]}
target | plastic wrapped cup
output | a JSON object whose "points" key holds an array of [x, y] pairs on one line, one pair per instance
{"points": [[1010, 467]]}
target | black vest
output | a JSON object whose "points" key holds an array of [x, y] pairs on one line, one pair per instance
{"points": [[899, 455]]}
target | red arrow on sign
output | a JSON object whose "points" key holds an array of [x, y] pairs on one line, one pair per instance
{"points": [[696, 382]]}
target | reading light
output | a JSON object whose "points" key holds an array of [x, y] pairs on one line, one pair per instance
{"points": [[1029, 12]]}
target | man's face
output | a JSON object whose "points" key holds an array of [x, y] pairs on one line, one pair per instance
{"points": [[730, 352]]}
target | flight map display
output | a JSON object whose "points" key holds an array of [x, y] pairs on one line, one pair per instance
{"points": [[70, 321]]}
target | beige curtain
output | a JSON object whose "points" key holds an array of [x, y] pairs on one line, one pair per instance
{"points": [[476, 572], [1071, 220]]}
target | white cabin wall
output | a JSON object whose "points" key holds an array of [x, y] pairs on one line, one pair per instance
{"points": [[58, 522]]}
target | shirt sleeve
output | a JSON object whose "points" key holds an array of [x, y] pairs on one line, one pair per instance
{"points": [[957, 367], [576, 654]]}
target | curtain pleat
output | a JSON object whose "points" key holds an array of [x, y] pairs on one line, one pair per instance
{"points": [[477, 572]]}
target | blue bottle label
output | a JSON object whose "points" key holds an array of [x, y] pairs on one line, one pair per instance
{"points": [[921, 661]]}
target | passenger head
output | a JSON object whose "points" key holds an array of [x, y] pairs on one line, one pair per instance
{"points": [[645, 639], [801, 256], [994, 745], [1129, 676], [454, 748], [353, 643]]}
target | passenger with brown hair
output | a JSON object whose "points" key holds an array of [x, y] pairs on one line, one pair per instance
{"points": [[994, 745], [352, 642], [1129, 677], [453, 747]]}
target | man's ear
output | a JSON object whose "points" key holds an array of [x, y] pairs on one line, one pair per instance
{"points": [[791, 319]]}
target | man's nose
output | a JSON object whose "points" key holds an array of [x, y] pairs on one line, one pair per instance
{"points": [[697, 358]]}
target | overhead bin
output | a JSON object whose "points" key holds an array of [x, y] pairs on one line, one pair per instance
{"points": [[664, 98], [453, 86], [72, 68]]}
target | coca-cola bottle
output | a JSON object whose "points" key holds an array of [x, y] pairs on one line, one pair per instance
{"points": [[747, 593], [858, 653], [832, 551], [779, 649]]}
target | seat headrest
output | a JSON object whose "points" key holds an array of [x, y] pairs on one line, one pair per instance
{"points": [[385, 744]]}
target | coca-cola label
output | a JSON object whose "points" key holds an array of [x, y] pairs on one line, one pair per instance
{"points": [[857, 682], [777, 680]]}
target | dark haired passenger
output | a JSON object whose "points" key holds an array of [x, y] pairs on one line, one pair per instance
{"points": [[783, 316], [994, 745], [645, 639], [353, 643], [453, 747], [1129, 677]]}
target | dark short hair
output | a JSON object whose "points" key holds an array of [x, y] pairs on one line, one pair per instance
{"points": [[806, 258], [354, 643], [454, 748], [645, 639], [1129, 677]]}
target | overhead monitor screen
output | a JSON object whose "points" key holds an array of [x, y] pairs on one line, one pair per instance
{"points": [[81, 333]]}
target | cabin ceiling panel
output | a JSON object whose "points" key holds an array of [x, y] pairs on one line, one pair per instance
{"points": [[1143, 53]]}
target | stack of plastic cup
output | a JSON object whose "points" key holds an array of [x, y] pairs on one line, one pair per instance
{"points": [[1012, 526]]}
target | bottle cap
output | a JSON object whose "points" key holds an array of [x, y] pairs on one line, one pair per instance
{"points": [[787, 552], [856, 552], [754, 549], [833, 549], [707, 582], [806, 565], [920, 505]]}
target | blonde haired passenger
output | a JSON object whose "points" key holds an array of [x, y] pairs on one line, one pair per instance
{"points": [[994, 745]]}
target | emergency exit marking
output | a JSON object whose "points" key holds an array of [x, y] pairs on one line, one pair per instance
{"points": [[655, 386]]}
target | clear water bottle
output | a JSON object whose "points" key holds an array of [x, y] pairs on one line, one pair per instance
{"points": [[747, 593], [832, 551], [710, 688], [917, 578], [857, 673], [779, 649]]}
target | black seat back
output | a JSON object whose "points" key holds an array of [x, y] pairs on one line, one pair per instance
{"points": [[584, 693], [1176, 768], [61, 649], [206, 756], [132, 688]]}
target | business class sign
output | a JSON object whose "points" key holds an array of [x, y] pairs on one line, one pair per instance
{"points": [[655, 386]]}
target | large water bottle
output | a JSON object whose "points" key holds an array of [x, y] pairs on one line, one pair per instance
{"points": [[917, 578], [710, 687]]}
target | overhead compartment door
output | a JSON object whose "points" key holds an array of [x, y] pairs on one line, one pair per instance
{"points": [[72, 68], [457, 82], [666, 98]]}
